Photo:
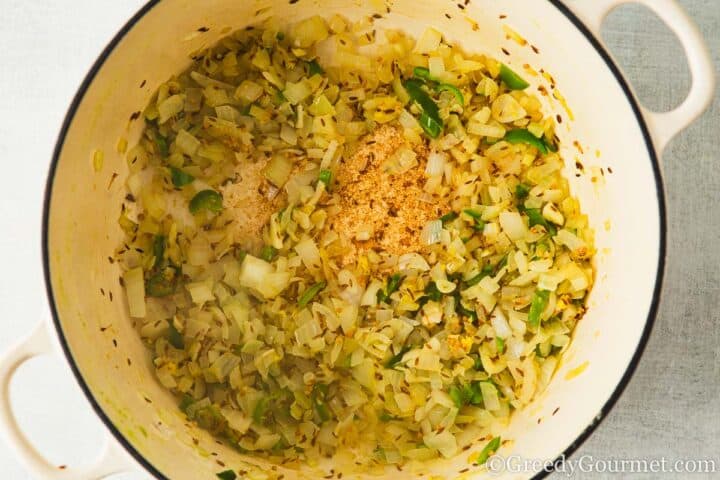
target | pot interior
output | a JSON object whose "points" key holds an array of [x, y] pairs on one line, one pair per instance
{"points": [[623, 208]]}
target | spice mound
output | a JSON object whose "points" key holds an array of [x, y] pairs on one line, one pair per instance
{"points": [[382, 204]]}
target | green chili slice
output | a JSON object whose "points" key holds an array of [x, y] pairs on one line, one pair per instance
{"points": [[206, 200], [268, 252], [503, 261], [474, 214], [431, 125], [522, 191], [549, 144], [158, 250], [227, 475], [318, 398], [477, 363], [397, 358], [393, 283], [449, 217], [323, 411], [180, 178], [457, 396], [537, 306], [543, 349], [310, 293], [500, 344], [522, 135], [325, 177], [162, 145], [162, 281], [314, 68], [422, 72], [486, 270], [489, 449], [478, 225], [465, 394], [260, 409], [431, 293], [446, 87], [535, 218], [512, 79], [473, 393], [175, 338], [462, 310], [386, 417], [185, 402], [430, 119]]}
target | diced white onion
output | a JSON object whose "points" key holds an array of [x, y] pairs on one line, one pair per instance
{"points": [[135, 290], [435, 164], [513, 225], [431, 233]]}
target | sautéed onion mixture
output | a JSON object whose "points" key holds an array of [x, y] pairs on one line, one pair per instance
{"points": [[350, 243]]}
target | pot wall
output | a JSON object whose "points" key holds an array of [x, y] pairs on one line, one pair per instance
{"points": [[623, 208]]}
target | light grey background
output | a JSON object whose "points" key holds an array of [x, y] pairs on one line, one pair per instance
{"points": [[671, 407]]}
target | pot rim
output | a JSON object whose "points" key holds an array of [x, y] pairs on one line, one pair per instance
{"points": [[570, 449]]}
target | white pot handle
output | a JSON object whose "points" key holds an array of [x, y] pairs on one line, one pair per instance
{"points": [[664, 126], [111, 460]]}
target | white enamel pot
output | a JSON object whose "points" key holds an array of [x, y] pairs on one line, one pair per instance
{"points": [[626, 209]]}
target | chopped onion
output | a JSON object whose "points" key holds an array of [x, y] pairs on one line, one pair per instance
{"points": [[308, 32], [445, 286], [529, 384], [436, 164], [429, 41], [135, 290], [187, 142], [321, 106], [227, 112], [278, 169], [170, 107], [506, 109], [288, 134], [491, 401], [443, 442], [369, 298], [492, 131], [364, 373], [309, 253], [199, 252], [432, 232], [201, 292], [412, 261], [513, 225], [489, 285], [500, 324], [205, 81], [436, 65], [248, 91], [258, 275], [569, 239], [481, 116], [547, 281], [297, 92], [329, 154]]}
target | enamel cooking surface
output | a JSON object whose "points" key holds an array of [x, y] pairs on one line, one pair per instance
{"points": [[625, 210]]}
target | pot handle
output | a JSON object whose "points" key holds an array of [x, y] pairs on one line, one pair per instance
{"points": [[665, 125], [111, 460]]}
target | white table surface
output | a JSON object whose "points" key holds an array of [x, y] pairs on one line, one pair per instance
{"points": [[671, 406]]}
